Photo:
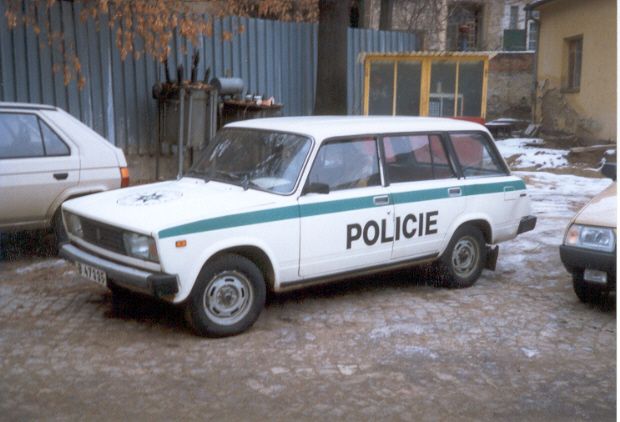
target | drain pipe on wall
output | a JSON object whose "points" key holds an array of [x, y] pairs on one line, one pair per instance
{"points": [[181, 124], [529, 16]]}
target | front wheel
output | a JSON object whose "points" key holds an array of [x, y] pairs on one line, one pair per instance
{"points": [[463, 260], [228, 297], [585, 292]]}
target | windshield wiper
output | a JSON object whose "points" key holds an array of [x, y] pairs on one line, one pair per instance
{"points": [[200, 174], [248, 183]]}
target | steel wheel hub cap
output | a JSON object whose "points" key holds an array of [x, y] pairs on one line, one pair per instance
{"points": [[227, 298], [465, 257]]}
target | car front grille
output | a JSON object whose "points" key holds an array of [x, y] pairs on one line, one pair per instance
{"points": [[104, 236]]}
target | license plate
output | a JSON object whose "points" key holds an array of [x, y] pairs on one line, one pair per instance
{"points": [[93, 274], [595, 276]]}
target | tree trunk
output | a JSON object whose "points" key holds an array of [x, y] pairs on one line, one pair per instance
{"points": [[331, 84], [385, 15]]}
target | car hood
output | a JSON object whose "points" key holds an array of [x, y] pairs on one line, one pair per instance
{"points": [[601, 210], [151, 208]]}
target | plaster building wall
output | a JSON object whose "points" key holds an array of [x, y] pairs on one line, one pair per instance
{"points": [[432, 27], [589, 113]]}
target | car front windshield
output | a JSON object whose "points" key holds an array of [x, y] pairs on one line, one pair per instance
{"points": [[251, 158]]}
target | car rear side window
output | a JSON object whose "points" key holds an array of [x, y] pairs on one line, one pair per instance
{"points": [[20, 136], [54, 146], [347, 164], [475, 155], [411, 158]]}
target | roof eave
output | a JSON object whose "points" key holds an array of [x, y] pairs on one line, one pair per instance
{"points": [[536, 4]]}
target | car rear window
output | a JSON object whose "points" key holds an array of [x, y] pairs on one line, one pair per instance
{"points": [[475, 156], [54, 146]]}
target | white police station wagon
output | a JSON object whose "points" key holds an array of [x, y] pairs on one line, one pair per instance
{"points": [[289, 202]]}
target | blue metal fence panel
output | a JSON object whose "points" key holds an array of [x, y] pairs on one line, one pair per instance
{"points": [[272, 57], [370, 41]]}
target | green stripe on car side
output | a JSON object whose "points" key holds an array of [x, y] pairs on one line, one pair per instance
{"points": [[309, 210], [330, 207], [235, 220]]}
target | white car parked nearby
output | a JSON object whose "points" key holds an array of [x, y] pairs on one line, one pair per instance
{"points": [[46, 157], [290, 202]]}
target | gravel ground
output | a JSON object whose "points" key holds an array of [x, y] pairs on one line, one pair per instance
{"points": [[516, 346]]}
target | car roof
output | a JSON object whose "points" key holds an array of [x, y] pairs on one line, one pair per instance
{"points": [[322, 127], [26, 106]]}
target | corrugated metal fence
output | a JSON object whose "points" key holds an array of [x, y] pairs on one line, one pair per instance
{"points": [[274, 58]]}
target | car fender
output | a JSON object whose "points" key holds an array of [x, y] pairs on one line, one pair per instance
{"points": [[464, 219], [190, 276]]}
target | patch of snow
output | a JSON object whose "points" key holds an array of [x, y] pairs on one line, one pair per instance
{"points": [[347, 369], [610, 152], [389, 330], [278, 370], [418, 351], [530, 353], [41, 265], [532, 157]]}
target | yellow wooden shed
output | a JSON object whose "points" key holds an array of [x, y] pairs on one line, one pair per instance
{"points": [[438, 84]]}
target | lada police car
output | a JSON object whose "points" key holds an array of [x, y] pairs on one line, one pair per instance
{"points": [[289, 202]]}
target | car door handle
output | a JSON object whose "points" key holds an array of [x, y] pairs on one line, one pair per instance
{"points": [[61, 176], [454, 192], [381, 200]]}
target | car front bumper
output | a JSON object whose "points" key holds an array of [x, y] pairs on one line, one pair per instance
{"points": [[580, 259], [134, 279]]}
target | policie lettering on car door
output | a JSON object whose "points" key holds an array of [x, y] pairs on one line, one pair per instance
{"points": [[347, 225]]}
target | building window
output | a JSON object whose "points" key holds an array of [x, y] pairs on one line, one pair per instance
{"points": [[532, 35], [574, 47], [464, 23], [514, 17]]}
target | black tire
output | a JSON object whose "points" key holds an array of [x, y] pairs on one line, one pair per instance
{"points": [[122, 299], [463, 260], [227, 298], [587, 293]]}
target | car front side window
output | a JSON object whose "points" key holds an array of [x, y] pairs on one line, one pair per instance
{"points": [[346, 164]]}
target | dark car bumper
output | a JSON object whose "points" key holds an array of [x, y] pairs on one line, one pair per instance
{"points": [[134, 279], [577, 260]]}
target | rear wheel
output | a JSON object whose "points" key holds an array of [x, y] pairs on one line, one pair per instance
{"points": [[463, 260], [228, 297]]}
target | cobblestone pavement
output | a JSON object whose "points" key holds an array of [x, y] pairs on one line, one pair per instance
{"points": [[516, 346]]}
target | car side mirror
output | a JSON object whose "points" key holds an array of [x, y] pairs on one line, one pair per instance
{"points": [[322, 188], [609, 170]]}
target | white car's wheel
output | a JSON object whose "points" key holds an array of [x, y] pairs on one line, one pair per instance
{"points": [[463, 260], [228, 297]]}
